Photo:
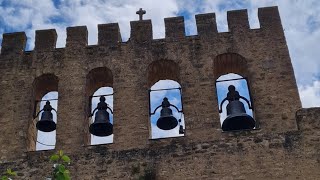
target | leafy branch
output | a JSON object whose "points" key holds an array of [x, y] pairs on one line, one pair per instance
{"points": [[9, 173], [60, 172]]}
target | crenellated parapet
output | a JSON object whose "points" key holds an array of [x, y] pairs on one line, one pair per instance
{"points": [[238, 21], [45, 39], [174, 28], [13, 43], [141, 31], [269, 18], [77, 36], [109, 34], [206, 24]]}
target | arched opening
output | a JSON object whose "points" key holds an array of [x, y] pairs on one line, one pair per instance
{"points": [[47, 140], [165, 100], [172, 91], [241, 85], [233, 92], [107, 92], [41, 131], [162, 70], [99, 90], [229, 63]]}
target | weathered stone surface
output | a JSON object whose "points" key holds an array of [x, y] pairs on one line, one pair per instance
{"points": [[45, 39], [109, 34], [285, 147]]}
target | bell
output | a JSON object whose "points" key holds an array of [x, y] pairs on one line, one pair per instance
{"points": [[237, 118], [101, 126], [46, 123], [166, 121]]}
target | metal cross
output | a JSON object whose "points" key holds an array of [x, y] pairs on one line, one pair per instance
{"points": [[141, 13]]}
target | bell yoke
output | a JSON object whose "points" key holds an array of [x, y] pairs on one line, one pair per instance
{"points": [[237, 118]]}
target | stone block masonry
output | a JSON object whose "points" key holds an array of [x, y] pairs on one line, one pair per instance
{"points": [[286, 145]]}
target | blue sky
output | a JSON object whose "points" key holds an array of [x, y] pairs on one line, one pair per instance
{"points": [[300, 19]]}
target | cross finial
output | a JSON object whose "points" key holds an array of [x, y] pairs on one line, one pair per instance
{"points": [[141, 13]]}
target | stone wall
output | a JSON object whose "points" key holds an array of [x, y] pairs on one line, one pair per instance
{"points": [[237, 155], [205, 151]]}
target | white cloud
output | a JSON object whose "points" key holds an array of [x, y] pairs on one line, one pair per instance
{"points": [[33, 15], [91, 13], [229, 76], [157, 96], [165, 84], [301, 21], [310, 95]]}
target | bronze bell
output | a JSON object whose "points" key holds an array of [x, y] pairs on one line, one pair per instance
{"points": [[237, 118], [166, 121], [101, 126], [46, 123]]}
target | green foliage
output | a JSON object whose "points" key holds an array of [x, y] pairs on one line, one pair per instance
{"points": [[60, 171], [9, 173], [65, 159], [54, 157]]}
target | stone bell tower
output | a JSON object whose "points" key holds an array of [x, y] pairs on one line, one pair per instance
{"points": [[286, 144]]}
